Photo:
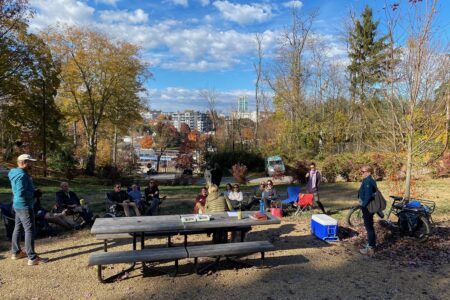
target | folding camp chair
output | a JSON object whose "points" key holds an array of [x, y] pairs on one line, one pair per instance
{"points": [[305, 202], [292, 192]]}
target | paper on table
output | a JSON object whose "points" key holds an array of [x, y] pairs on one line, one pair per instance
{"points": [[232, 213]]}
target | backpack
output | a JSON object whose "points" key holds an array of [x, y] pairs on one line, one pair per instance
{"points": [[377, 204]]}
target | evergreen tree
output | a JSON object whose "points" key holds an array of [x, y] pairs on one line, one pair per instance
{"points": [[367, 54]]}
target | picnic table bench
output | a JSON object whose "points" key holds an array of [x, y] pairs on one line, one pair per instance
{"points": [[124, 228]]}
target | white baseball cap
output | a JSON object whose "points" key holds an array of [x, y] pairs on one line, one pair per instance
{"points": [[24, 157]]}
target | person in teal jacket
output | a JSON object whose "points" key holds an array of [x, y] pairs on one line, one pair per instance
{"points": [[23, 201]]}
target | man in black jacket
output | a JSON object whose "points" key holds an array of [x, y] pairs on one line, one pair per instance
{"points": [[66, 199], [216, 175]]}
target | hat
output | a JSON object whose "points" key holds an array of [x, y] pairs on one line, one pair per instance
{"points": [[24, 157]]}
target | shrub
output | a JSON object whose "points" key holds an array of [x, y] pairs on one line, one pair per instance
{"points": [[277, 173], [227, 159], [63, 160], [443, 166], [110, 172], [300, 170], [240, 173]]}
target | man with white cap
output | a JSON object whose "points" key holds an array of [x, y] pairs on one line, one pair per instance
{"points": [[23, 192]]}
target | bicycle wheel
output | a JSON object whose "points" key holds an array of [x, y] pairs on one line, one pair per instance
{"points": [[423, 229], [355, 217]]}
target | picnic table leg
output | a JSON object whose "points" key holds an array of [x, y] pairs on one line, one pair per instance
{"points": [[105, 245], [142, 241], [169, 242], [134, 241]]}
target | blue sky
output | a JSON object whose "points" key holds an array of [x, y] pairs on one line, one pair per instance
{"points": [[206, 44]]}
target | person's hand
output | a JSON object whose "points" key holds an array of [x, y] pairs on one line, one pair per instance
{"points": [[307, 175], [64, 212]]}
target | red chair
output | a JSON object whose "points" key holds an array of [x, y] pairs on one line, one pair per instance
{"points": [[305, 202]]}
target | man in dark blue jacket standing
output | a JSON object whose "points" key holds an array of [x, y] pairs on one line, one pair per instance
{"points": [[23, 200], [366, 194]]}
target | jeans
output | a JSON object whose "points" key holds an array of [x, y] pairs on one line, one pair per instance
{"points": [[153, 209], [368, 224], [24, 218]]}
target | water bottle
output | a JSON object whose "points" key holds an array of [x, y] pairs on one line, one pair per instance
{"points": [[262, 209]]}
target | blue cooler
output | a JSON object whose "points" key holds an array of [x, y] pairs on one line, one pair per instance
{"points": [[324, 227]]}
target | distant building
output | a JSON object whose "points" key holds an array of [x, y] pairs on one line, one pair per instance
{"points": [[194, 119], [243, 104], [250, 115], [154, 114]]}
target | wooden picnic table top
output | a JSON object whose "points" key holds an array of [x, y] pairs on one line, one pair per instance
{"points": [[172, 223]]}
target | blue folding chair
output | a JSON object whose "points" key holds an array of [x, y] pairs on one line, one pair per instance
{"points": [[292, 192]]}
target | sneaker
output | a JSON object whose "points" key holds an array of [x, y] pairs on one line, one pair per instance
{"points": [[367, 251], [37, 261], [19, 255]]}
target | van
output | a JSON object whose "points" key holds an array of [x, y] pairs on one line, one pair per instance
{"points": [[273, 163]]}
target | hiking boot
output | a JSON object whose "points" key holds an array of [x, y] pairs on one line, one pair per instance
{"points": [[367, 251], [19, 255], [37, 261]]}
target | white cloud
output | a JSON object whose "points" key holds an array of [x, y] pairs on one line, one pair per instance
{"points": [[183, 3], [295, 3], [244, 13], [204, 2], [115, 16], [178, 98], [60, 11], [108, 2], [169, 44]]}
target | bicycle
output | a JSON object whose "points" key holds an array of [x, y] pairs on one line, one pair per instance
{"points": [[413, 217]]}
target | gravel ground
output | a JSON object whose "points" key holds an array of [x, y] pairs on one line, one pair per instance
{"points": [[302, 267]]}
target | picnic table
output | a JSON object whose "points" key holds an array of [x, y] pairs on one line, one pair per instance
{"points": [[169, 225]]}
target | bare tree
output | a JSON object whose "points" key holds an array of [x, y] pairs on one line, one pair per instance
{"points": [[290, 70], [258, 71], [210, 95]]}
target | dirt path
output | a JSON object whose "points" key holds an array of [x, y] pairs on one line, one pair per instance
{"points": [[302, 267]]}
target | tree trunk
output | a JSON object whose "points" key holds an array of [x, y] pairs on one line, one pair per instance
{"points": [[409, 159], [115, 146], [92, 151], [44, 131], [75, 137]]}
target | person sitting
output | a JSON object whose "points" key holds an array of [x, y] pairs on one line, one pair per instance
{"points": [[214, 201], [55, 218], [66, 199], [269, 195], [151, 194], [257, 196], [236, 197], [200, 201], [136, 196], [123, 200], [228, 190]]}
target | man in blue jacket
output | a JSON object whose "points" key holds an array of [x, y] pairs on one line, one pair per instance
{"points": [[23, 200], [366, 194]]}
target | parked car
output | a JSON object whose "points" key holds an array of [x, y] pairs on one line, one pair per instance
{"points": [[274, 163]]}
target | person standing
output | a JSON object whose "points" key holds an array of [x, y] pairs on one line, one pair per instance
{"points": [[314, 178], [216, 175], [366, 194], [23, 202]]}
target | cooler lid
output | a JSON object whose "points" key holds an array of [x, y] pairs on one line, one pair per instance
{"points": [[324, 219]]}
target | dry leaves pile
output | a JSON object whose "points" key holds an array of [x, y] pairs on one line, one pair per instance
{"points": [[404, 250]]}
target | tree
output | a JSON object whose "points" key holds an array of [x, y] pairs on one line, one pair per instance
{"points": [[164, 135], [95, 70], [146, 142], [28, 84], [367, 53], [211, 97]]}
